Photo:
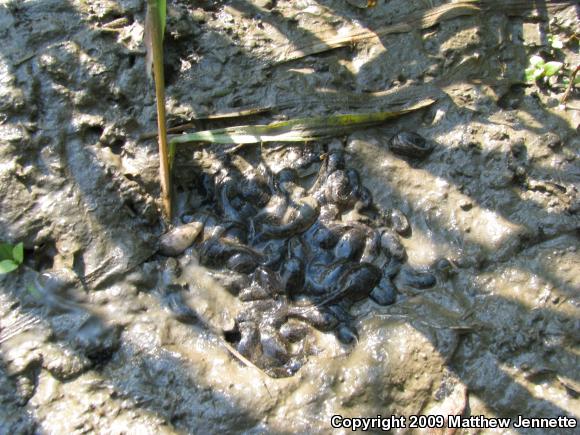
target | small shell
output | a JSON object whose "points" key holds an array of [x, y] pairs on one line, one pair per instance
{"points": [[338, 189], [410, 144], [180, 238]]}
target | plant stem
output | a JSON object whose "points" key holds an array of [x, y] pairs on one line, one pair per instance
{"points": [[157, 49], [572, 78]]}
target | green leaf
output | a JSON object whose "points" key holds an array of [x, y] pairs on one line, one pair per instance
{"points": [[162, 5], [536, 60], [538, 73], [18, 253], [7, 266], [529, 74], [5, 251], [551, 68], [533, 73]]}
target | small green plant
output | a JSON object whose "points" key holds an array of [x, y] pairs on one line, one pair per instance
{"points": [[10, 257], [540, 69]]}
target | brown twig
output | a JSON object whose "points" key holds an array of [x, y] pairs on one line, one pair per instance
{"points": [[570, 85]]}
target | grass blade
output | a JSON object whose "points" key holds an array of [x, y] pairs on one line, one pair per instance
{"points": [[295, 130], [154, 42]]}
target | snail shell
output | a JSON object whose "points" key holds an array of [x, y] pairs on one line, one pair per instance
{"points": [[180, 238]]}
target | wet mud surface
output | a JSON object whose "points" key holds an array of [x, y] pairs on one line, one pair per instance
{"points": [[100, 332]]}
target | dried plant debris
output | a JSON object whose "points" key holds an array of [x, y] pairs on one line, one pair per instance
{"points": [[300, 256], [386, 104], [422, 19], [296, 130]]}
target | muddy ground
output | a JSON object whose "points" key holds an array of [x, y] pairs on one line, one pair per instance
{"points": [[94, 349]]}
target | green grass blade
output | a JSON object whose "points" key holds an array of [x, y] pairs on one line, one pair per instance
{"points": [[295, 130], [162, 5]]}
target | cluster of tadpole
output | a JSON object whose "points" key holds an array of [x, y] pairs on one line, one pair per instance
{"points": [[301, 256]]}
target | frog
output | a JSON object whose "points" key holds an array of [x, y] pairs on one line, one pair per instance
{"points": [[299, 244], [216, 252], [340, 188], [348, 283], [266, 328], [294, 211], [239, 197], [271, 320]]}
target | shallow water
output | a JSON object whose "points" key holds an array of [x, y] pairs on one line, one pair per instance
{"points": [[498, 197]]}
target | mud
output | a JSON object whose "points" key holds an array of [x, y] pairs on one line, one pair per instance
{"points": [[98, 348]]}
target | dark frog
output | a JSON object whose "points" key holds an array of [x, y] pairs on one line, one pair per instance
{"points": [[299, 258], [348, 283], [217, 252], [265, 328]]}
